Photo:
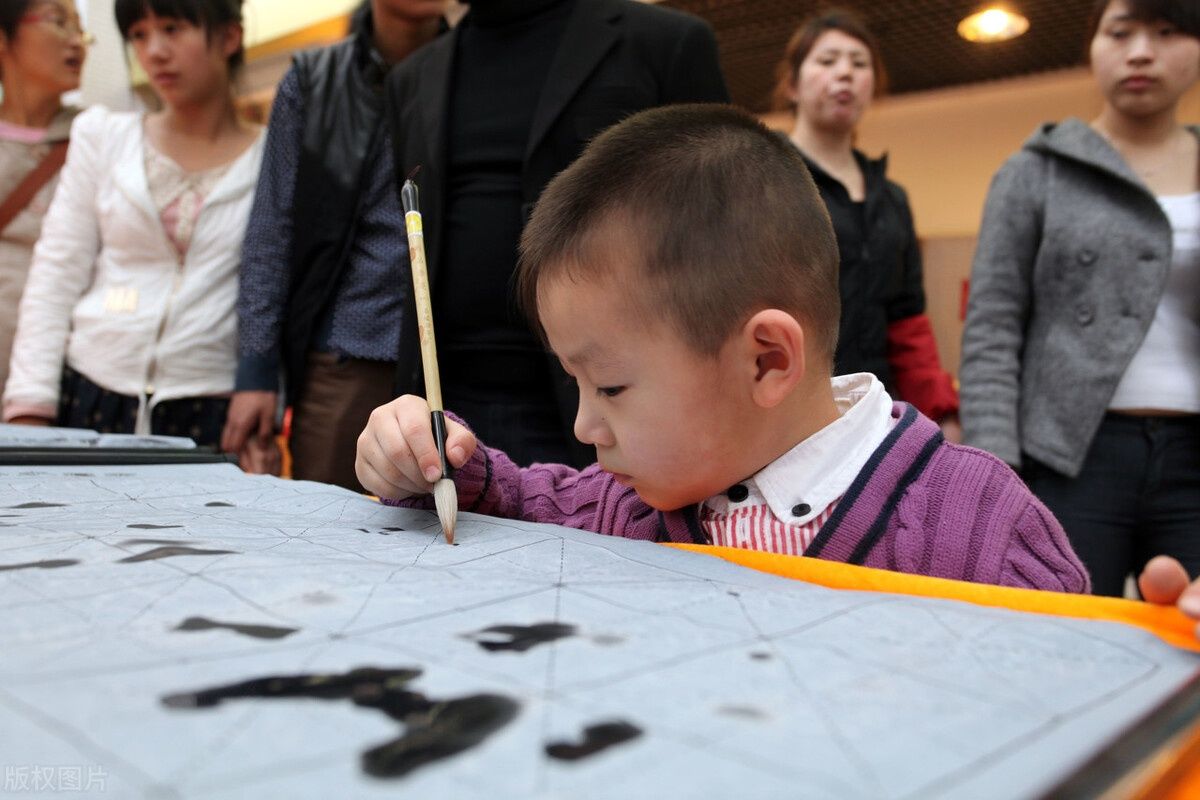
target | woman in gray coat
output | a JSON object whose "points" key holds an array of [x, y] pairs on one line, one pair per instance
{"points": [[1081, 353]]}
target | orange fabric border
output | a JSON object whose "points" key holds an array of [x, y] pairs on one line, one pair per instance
{"points": [[1168, 623]]}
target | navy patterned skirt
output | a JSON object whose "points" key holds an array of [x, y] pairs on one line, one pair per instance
{"points": [[83, 404]]}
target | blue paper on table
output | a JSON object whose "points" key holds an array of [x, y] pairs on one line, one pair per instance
{"points": [[190, 631]]}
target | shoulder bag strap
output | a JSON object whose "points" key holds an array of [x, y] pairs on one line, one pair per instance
{"points": [[22, 195]]}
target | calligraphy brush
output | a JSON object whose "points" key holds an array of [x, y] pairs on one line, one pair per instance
{"points": [[445, 495]]}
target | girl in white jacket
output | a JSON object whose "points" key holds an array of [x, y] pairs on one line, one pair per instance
{"points": [[127, 323]]}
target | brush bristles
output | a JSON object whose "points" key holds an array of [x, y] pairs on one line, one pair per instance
{"points": [[445, 499]]}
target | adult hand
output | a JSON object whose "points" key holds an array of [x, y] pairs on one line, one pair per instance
{"points": [[951, 428], [251, 413], [29, 419], [261, 457], [1164, 582], [397, 455]]}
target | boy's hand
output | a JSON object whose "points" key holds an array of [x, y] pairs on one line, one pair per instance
{"points": [[397, 456], [1164, 581]]}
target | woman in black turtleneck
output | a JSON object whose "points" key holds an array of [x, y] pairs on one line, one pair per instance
{"points": [[492, 111]]}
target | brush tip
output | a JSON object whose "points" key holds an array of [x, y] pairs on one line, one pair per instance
{"points": [[445, 499]]}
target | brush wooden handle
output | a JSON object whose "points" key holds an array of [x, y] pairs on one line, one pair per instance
{"points": [[420, 280]]}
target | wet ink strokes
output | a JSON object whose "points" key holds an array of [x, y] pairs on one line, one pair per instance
{"points": [[519, 638], [596, 738], [169, 551], [434, 729], [246, 629]]}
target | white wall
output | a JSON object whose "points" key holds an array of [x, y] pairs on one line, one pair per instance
{"points": [[105, 73]]}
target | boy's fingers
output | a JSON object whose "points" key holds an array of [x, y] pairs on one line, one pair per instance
{"points": [[388, 454], [417, 432], [1164, 581], [460, 443], [379, 472], [376, 484]]}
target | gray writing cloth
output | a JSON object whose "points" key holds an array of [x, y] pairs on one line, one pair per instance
{"points": [[743, 684]]}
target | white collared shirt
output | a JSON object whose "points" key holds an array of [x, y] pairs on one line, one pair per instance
{"points": [[801, 488]]}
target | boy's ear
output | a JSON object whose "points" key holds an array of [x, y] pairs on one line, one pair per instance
{"points": [[774, 342]]}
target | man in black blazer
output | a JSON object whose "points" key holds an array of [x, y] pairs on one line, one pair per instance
{"points": [[491, 111]]}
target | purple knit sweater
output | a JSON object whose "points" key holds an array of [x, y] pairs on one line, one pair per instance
{"points": [[920, 505]]}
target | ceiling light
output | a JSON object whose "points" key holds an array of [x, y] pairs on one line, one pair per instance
{"points": [[993, 24]]}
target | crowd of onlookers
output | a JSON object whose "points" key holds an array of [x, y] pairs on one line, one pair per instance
{"points": [[183, 272]]}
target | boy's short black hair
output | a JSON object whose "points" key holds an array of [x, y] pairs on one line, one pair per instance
{"points": [[207, 14], [724, 214]]}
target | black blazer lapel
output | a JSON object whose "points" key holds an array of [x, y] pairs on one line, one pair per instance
{"points": [[433, 97], [433, 94], [591, 32]]}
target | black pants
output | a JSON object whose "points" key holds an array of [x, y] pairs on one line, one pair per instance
{"points": [[1137, 497], [83, 404]]}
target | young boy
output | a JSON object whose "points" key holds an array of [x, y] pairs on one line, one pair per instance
{"points": [[684, 271]]}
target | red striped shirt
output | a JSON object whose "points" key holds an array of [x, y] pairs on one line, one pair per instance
{"points": [[754, 527]]}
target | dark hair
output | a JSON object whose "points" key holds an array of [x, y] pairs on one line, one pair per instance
{"points": [[11, 12], [207, 14], [806, 36], [1183, 14], [726, 218]]}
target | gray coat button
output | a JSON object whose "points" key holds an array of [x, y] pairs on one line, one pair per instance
{"points": [[1148, 255], [1086, 257], [1084, 314]]}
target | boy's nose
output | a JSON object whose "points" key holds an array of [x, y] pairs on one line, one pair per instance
{"points": [[590, 427]]}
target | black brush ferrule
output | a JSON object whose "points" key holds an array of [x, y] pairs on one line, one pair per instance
{"points": [[439, 436]]}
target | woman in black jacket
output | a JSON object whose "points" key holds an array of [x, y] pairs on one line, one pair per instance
{"points": [[829, 72]]}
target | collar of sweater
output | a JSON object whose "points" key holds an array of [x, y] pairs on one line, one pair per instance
{"points": [[864, 509]]}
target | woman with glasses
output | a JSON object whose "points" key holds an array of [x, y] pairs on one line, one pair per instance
{"points": [[42, 49], [127, 324]]}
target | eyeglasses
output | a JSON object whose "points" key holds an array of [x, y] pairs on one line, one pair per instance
{"points": [[64, 26]]}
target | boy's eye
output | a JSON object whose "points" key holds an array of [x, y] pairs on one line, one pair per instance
{"points": [[609, 391]]}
